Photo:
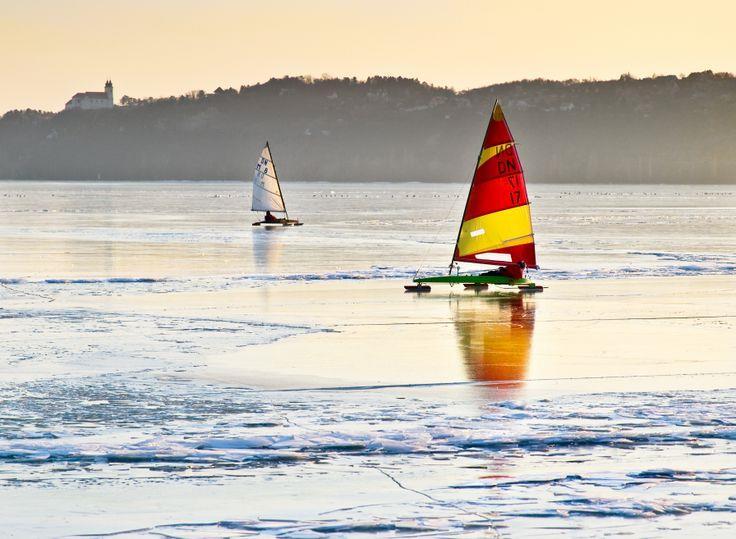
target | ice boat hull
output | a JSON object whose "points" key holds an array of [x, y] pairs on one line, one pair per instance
{"points": [[280, 222], [480, 281], [473, 279]]}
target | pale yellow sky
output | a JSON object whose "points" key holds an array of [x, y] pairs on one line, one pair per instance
{"points": [[50, 49]]}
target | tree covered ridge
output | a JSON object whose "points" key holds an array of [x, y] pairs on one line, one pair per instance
{"points": [[657, 129]]}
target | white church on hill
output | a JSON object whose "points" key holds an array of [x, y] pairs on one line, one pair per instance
{"points": [[92, 100]]}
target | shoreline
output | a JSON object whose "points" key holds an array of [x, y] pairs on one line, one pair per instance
{"points": [[246, 180]]}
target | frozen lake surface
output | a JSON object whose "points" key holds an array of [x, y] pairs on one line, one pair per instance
{"points": [[199, 233], [169, 370]]}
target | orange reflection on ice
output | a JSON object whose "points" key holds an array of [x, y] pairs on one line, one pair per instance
{"points": [[495, 337]]}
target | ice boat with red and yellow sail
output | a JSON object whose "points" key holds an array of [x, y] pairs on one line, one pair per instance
{"points": [[496, 227]]}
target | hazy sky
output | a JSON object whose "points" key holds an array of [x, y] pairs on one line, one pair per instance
{"points": [[50, 49]]}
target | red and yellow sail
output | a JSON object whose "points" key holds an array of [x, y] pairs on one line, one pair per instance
{"points": [[497, 225]]}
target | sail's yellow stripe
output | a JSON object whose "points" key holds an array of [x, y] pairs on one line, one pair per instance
{"points": [[506, 228], [493, 151]]}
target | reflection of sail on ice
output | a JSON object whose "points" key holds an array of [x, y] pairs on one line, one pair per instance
{"points": [[495, 337], [266, 250], [266, 189]]}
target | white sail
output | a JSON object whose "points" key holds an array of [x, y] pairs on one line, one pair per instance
{"points": [[266, 190]]}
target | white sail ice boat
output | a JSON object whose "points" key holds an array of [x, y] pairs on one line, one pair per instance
{"points": [[267, 195]]}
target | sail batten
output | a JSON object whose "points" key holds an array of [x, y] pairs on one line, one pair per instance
{"points": [[497, 216], [266, 189]]}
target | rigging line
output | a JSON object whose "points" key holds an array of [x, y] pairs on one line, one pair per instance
{"points": [[470, 181], [270, 192], [266, 174], [49, 298], [462, 187]]}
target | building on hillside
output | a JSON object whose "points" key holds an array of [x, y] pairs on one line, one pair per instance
{"points": [[92, 100]]}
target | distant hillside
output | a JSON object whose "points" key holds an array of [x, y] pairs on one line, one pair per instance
{"points": [[660, 129]]}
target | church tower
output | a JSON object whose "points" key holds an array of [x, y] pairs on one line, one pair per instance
{"points": [[92, 100], [108, 92]]}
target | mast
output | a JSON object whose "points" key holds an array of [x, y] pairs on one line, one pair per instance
{"points": [[275, 175], [470, 189]]}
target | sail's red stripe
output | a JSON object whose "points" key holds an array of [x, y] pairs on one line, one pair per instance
{"points": [[496, 194], [518, 253], [497, 132], [505, 163]]}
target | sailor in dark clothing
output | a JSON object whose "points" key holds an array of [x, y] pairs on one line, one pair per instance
{"points": [[270, 218], [515, 271]]}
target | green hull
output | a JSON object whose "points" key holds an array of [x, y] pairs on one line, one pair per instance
{"points": [[474, 279]]}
